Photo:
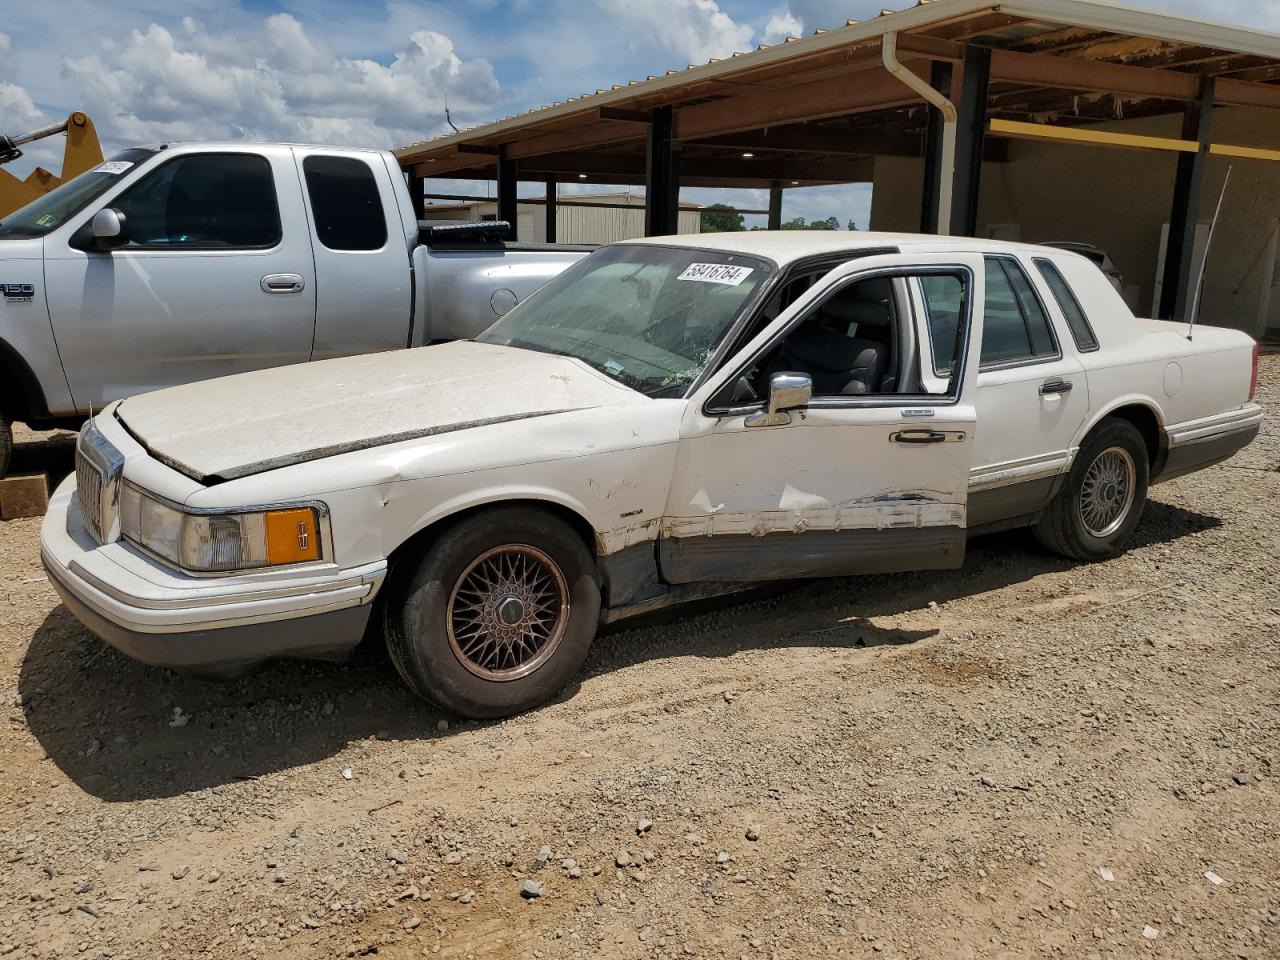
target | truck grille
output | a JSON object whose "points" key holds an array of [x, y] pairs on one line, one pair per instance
{"points": [[98, 469]]}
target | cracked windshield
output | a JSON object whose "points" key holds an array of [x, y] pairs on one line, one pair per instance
{"points": [[648, 316]]}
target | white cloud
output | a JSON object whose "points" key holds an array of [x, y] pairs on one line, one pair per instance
{"points": [[274, 80], [696, 30], [781, 26]]}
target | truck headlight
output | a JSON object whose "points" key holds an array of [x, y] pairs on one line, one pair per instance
{"points": [[216, 542]]}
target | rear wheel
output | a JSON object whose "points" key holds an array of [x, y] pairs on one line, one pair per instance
{"points": [[1099, 506], [497, 615]]}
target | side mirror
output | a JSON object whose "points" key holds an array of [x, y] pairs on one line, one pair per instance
{"points": [[109, 229], [787, 391]]}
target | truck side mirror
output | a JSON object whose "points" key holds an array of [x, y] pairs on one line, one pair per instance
{"points": [[787, 391], [109, 229]]}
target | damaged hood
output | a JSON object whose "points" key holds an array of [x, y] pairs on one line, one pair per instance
{"points": [[253, 422]]}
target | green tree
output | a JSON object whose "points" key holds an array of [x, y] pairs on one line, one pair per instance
{"points": [[831, 223], [852, 226], [795, 223], [721, 218]]}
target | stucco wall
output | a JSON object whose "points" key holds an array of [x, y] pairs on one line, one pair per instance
{"points": [[1119, 200]]}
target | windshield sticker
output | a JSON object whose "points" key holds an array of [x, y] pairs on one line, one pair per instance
{"points": [[614, 367], [722, 273], [48, 220], [113, 167]]}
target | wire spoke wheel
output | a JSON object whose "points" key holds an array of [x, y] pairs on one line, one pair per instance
{"points": [[1108, 491], [508, 612]]}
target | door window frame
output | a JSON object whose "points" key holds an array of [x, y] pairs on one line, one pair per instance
{"points": [[1033, 359], [203, 249], [716, 405]]}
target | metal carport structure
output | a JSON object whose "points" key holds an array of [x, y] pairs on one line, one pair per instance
{"points": [[950, 81]]}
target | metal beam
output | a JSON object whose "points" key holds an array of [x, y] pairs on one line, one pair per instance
{"points": [[940, 80], [417, 189], [775, 207], [727, 170], [661, 182], [1179, 257], [507, 179], [553, 207], [970, 135], [875, 89]]}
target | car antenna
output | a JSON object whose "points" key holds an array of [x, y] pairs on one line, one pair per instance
{"points": [[1204, 261]]}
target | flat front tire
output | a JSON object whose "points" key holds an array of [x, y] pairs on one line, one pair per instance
{"points": [[496, 615], [1098, 508]]}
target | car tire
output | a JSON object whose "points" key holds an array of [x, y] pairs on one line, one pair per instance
{"points": [[1096, 511], [6, 445], [496, 615]]}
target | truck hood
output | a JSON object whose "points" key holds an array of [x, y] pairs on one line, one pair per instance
{"points": [[253, 422]]}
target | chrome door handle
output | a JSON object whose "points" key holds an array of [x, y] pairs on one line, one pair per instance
{"points": [[1051, 387], [927, 436], [282, 283]]}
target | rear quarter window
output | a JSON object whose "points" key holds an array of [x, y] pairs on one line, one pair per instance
{"points": [[1077, 320], [345, 202]]}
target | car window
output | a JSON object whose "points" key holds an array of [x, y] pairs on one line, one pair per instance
{"points": [[943, 296], [1014, 324], [649, 316], [846, 344], [345, 203], [1077, 321], [208, 201], [49, 212]]}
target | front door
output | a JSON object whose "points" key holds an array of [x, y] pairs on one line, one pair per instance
{"points": [[217, 278], [870, 475]]}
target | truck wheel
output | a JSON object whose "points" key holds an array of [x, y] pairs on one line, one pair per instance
{"points": [[6, 444], [496, 616], [1097, 510]]}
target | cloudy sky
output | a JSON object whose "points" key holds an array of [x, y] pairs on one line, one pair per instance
{"points": [[378, 72]]}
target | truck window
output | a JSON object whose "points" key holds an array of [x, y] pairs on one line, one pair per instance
{"points": [[207, 201], [943, 303], [1015, 327], [1081, 332], [345, 203]]}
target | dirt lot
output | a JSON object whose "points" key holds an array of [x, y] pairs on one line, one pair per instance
{"points": [[1023, 758]]}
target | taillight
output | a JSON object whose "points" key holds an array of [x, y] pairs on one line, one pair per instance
{"points": [[1253, 378]]}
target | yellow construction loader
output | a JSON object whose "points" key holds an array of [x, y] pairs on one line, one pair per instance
{"points": [[82, 152]]}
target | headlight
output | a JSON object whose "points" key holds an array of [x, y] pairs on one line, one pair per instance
{"points": [[213, 542]]}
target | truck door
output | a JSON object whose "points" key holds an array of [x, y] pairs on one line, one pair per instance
{"points": [[363, 285], [216, 278], [870, 474]]}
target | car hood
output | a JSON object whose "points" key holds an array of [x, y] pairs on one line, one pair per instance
{"points": [[253, 422]]}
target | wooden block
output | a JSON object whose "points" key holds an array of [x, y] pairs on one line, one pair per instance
{"points": [[24, 495]]}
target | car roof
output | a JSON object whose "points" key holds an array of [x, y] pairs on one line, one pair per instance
{"points": [[787, 246]]}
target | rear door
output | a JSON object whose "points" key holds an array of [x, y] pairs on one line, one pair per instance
{"points": [[855, 482], [1032, 397], [217, 278], [363, 281]]}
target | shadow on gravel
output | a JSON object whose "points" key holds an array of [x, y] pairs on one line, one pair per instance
{"points": [[53, 455], [110, 725]]}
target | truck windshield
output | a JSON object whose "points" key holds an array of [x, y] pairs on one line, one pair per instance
{"points": [[52, 210], [647, 316]]}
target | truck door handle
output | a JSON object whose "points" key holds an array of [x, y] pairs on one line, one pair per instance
{"points": [[927, 436], [1050, 387], [282, 283]]}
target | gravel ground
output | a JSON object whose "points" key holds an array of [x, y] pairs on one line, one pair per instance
{"points": [[1026, 757]]}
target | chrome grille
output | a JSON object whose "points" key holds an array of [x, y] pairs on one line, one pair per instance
{"points": [[89, 490], [98, 469]]}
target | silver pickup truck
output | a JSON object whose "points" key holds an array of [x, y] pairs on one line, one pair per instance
{"points": [[185, 262]]}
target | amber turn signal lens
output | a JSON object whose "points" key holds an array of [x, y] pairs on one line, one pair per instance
{"points": [[292, 536]]}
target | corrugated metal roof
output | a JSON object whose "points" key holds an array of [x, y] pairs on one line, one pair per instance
{"points": [[1167, 27]]}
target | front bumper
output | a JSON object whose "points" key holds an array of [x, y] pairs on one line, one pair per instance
{"points": [[212, 625]]}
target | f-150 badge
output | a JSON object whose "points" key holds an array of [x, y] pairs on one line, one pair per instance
{"points": [[18, 292]]}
